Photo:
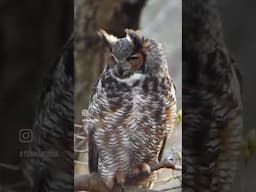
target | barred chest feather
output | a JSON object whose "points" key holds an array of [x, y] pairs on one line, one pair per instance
{"points": [[131, 120]]}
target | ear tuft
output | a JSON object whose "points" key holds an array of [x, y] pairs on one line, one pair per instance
{"points": [[109, 39], [146, 43], [137, 38]]}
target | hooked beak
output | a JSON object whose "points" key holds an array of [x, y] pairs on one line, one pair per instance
{"points": [[124, 68]]}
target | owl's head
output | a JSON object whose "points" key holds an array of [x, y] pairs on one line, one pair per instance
{"points": [[134, 55]]}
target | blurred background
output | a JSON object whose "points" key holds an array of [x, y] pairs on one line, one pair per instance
{"points": [[32, 33], [239, 32]]}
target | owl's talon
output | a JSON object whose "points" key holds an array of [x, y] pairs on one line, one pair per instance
{"points": [[110, 183], [120, 178], [145, 169], [141, 170]]}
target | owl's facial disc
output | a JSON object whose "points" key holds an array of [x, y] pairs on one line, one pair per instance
{"points": [[127, 54], [127, 66]]}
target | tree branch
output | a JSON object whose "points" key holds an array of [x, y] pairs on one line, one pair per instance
{"points": [[93, 182], [166, 164]]}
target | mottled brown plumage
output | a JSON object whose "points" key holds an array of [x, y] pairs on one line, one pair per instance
{"points": [[131, 111]]}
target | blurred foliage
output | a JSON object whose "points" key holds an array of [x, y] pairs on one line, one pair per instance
{"points": [[179, 117], [249, 145]]}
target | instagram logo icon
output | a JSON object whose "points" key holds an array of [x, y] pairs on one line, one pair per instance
{"points": [[25, 135]]}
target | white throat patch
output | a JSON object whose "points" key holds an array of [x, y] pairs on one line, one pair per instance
{"points": [[129, 80]]}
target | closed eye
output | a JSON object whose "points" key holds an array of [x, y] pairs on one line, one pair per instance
{"points": [[133, 57], [136, 60]]}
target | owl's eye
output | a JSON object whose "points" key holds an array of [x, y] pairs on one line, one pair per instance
{"points": [[133, 57], [136, 60]]}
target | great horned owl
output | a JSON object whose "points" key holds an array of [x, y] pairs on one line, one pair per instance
{"points": [[131, 111], [211, 101]]}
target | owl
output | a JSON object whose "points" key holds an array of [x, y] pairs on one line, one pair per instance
{"points": [[211, 100], [131, 111]]}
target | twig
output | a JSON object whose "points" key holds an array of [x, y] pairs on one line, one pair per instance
{"points": [[166, 164], [81, 162], [93, 182], [10, 166]]}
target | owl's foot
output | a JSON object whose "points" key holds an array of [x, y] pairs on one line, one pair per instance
{"points": [[141, 170], [109, 182], [120, 178], [116, 182]]}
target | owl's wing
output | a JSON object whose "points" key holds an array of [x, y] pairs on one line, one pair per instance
{"points": [[89, 130], [160, 156], [93, 153], [171, 111]]}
